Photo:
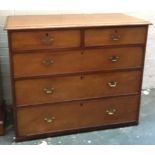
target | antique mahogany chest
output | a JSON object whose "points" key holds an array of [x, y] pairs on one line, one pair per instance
{"points": [[74, 73]]}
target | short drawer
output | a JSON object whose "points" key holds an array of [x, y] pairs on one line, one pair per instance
{"points": [[75, 87], [43, 39], [34, 64], [115, 36], [76, 115]]}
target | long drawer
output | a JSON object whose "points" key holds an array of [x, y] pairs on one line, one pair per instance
{"points": [[57, 89], [82, 114], [115, 36], [45, 39], [34, 64]]}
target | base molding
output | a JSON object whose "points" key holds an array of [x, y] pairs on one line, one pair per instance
{"points": [[68, 132]]}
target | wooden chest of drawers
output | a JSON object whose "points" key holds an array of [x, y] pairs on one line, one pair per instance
{"points": [[73, 73]]}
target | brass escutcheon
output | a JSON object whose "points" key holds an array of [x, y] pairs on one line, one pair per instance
{"points": [[46, 39], [48, 90], [112, 84], [115, 37], [49, 119], [47, 62], [114, 58], [110, 111]]}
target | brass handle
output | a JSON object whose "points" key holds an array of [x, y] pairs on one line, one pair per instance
{"points": [[47, 62], [112, 84], [110, 111], [49, 119], [115, 37], [114, 58], [47, 39], [48, 90]]}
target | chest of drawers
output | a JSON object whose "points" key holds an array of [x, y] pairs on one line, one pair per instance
{"points": [[73, 73]]}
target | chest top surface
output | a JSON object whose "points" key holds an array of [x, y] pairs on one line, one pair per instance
{"points": [[71, 20]]}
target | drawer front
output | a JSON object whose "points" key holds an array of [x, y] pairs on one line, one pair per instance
{"points": [[27, 40], [57, 89], [69, 116], [115, 36], [34, 64]]}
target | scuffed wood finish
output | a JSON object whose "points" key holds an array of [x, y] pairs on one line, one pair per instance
{"points": [[105, 36], [68, 116], [75, 68], [76, 87], [35, 40], [71, 20], [31, 64]]}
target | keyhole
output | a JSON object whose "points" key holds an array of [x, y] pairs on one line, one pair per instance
{"points": [[116, 31], [81, 104], [82, 52], [46, 34], [81, 77]]}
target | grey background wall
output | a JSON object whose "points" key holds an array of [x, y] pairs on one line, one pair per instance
{"points": [[149, 71]]}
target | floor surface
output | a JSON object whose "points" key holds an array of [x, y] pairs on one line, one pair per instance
{"points": [[144, 133]]}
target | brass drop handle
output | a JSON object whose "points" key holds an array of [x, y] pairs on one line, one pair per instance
{"points": [[47, 62], [49, 119], [110, 111], [114, 58], [48, 90], [46, 39], [115, 37], [112, 84]]}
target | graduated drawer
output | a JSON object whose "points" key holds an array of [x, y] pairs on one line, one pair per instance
{"points": [[75, 87], [33, 64], [115, 36], [45, 39], [76, 115]]}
